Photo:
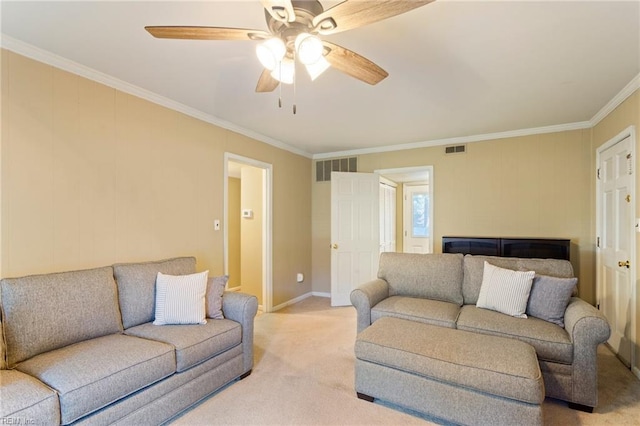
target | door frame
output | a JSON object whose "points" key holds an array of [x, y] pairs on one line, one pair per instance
{"points": [[629, 132], [267, 223], [408, 171]]}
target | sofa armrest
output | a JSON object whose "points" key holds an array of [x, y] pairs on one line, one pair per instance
{"points": [[587, 328], [366, 297], [242, 308]]}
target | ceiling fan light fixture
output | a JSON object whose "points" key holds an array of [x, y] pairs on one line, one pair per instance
{"points": [[317, 68], [308, 48], [271, 52], [285, 71]]}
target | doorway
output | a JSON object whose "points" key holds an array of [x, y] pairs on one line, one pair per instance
{"points": [[356, 225], [616, 248], [416, 225], [247, 227], [414, 214]]}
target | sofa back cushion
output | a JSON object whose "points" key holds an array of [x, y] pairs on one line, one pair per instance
{"points": [[137, 286], [45, 312], [474, 268], [429, 276]]}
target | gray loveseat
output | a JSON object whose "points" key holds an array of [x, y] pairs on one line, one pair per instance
{"points": [[80, 348], [443, 289]]}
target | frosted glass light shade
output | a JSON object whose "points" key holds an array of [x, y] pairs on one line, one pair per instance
{"points": [[317, 68], [271, 52], [285, 71], [309, 48]]}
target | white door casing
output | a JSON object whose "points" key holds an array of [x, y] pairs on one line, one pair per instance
{"points": [[416, 219], [616, 242], [355, 232], [267, 224], [387, 216]]}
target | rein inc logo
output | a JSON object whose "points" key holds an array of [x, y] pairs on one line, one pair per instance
{"points": [[16, 421]]}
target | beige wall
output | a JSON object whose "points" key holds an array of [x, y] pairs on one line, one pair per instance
{"points": [[251, 230], [91, 176], [233, 217], [625, 115], [532, 186]]}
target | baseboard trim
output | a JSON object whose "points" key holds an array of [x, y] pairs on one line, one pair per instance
{"points": [[292, 301], [300, 299]]}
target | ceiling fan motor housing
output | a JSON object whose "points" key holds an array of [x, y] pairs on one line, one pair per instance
{"points": [[305, 11]]}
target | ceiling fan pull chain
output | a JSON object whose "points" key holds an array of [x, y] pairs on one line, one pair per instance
{"points": [[280, 86], [294, 81]]}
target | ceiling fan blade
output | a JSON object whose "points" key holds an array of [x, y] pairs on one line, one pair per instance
{"points": [[266, 83], [281, 10], [354, 13], [207, 33], [353, 64]]}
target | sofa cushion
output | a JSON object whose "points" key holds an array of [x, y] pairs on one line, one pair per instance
{"points": [[92, 374], [429, 276], [137, 282], [193, 343], [552, 343], [46, 312], [26, 400], [426, 311], [474, 267]]}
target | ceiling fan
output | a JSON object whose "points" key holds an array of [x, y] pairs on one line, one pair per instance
{"points": [[294, 27]]}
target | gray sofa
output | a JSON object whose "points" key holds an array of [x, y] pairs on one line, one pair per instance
{"points": [[80, 348], [443, 289]]}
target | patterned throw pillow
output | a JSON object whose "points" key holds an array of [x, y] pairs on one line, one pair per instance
{"points": [[504, 290], [180, 299]]}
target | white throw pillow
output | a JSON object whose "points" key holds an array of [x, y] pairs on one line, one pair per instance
{"points": [[180, 299], [505, 291]]}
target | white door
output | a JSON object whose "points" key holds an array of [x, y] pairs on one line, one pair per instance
{"points": [[416, 219], [615, 183], [355, 232]]}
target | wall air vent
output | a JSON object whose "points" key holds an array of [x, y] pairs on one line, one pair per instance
{"points": [[457, 149], [325, 167]]}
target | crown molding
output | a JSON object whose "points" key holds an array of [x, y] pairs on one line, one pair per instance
{"points": [[64, 64], [626, 91], [459, 140], [618, 99], [57, 61]]}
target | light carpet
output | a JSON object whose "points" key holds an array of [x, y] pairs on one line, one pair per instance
{"points": [[304, 375]]}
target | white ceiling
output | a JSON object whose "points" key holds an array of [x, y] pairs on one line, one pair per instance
{"points": [[456, 68]]}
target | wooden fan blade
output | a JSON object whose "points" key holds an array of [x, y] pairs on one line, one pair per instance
{"points": [[207, 33], [353, 64], [266, 83], [354, 13], [281, 10]]}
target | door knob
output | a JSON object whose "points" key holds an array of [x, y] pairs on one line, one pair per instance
{"points": [[334, 246], [624, 264]]}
